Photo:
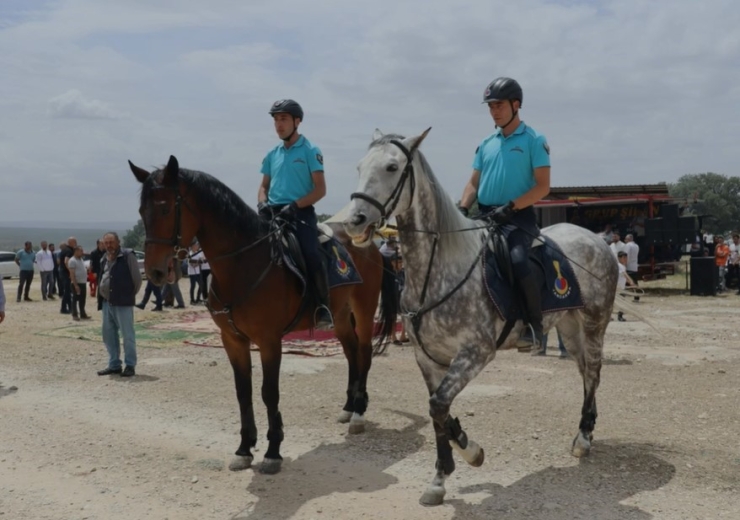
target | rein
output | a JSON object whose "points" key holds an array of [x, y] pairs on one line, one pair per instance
{"points": [[181, 252], [386, 210]]}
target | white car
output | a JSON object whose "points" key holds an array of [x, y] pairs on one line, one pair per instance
{"points": [[8, 267], [140, 261]]}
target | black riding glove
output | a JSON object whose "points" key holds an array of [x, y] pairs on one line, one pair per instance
{"points": [[503, 214], [290, 211], [263, 207], [464, 211]]}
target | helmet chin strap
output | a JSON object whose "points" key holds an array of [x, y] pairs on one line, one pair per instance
{"points": [[513, 115], [295, 129]]}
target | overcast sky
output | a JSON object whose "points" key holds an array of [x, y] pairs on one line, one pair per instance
{"points": [[625, 91]]}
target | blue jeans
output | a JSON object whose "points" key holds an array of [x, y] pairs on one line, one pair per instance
{"points": [[119, 320]]}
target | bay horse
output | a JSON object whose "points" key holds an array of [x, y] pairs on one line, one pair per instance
{"points": [[445, 307], [253, 298]]}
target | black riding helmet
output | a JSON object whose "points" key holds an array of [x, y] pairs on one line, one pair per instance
{"points": [[287, 106], [501, 89], [504, 89]]}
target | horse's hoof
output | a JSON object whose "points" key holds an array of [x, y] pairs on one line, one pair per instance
{"points": [[433, 496], [271, 466], [473, 454], [344, 417], [357, 425], [477, 462], [240, 463], [581, 446]]}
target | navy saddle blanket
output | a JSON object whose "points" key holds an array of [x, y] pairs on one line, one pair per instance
{"points": [[560, 291], [341, 268]]}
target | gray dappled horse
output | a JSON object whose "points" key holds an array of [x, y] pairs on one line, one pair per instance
{"points": [[451, 321]]}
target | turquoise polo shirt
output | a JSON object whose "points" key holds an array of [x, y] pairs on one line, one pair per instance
{"points": [[290, 170], [507, 164], [26, 259]]}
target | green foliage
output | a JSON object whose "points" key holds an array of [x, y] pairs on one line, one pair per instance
{"points": [[711, 194], [134, 238], [323, 216]]}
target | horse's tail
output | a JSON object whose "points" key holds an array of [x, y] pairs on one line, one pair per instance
{"points": [[389, 303], [622, 304]]}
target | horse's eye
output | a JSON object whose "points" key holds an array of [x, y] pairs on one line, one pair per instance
{"points": [[392, 168]]}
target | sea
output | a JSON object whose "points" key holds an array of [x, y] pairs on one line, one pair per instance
{"points": [[13, 238]]}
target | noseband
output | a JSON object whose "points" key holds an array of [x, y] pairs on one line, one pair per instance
{"points": [[180, 250], [390, 205]]}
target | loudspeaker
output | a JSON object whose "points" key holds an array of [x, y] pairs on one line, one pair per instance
{"points": [[704, 276], [687, 229], [653, 231], [669, 212]]}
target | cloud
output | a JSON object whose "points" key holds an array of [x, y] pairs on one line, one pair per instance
{"points": [[626, 91], [73, 105]]}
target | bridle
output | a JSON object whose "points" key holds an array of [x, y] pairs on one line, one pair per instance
{"points": [[180, 250], [390, 204]]}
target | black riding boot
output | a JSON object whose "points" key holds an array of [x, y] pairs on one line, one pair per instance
{"points": [[322, 315], [530, 288]]}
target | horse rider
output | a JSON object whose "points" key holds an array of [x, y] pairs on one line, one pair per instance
{"points": [[511, 172], [292, 182]]}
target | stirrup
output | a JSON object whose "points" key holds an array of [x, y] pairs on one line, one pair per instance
{"points": [[528, 340], [323, 324]]}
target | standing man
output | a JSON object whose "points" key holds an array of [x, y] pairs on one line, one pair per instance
{"points": [[45, 261], [292, 182], [721, 256], [511, 171], [55, 271], [205, 272], [733, 266], [65, 287], [2, 301], [95, 257], [119, 283], [78, 280], [633, 251], [616, 244], [25, 258]]}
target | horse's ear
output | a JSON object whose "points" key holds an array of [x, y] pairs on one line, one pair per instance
{"points": [[140, 173], [171, 171], [412, 143], [377, 134]]}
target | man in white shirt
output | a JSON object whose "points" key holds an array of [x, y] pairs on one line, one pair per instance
{"points": [[632, 250], [617, 245], [45, 261], [390, 249], [733, 266], [624, 279]]}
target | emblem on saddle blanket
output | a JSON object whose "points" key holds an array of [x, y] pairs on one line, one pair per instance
{"points": [[560, 290], [341, 269]]}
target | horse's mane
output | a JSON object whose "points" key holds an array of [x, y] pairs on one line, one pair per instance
{"points": [[214, 197], [448, 218]]}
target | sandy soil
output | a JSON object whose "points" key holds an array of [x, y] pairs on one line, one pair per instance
{"points": [[77, 446]]}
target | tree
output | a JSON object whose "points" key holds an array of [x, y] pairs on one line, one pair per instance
{"points": [[134, 238], [711, 194]]}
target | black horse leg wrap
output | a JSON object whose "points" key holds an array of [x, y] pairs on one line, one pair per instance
{"points": [[455, 432]]}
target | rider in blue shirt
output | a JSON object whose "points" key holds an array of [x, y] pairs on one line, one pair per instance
{"points": [[292, 182], [511, 172]]}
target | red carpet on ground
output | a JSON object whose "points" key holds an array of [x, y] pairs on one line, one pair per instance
{"points": [[318, 335]]}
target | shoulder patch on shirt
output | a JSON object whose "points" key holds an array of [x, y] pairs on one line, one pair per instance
{"points": [[477, 149], [546, 147], [320, 158]]}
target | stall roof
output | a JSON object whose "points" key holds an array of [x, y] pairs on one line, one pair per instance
{"points": [[626, 190]]}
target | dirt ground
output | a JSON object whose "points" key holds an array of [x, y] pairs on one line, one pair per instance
{"points": [[77, 446]]}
